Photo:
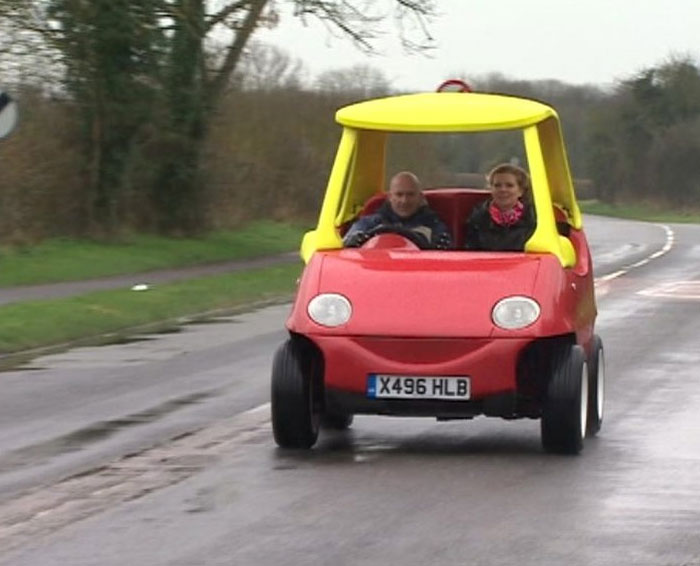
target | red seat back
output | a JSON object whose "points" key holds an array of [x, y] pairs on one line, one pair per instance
{"points": [[453, 206]]}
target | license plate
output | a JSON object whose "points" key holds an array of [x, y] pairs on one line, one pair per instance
{"points": [[415, 387]]}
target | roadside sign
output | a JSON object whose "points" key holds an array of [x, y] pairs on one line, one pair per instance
{"points": [[8, 114]]}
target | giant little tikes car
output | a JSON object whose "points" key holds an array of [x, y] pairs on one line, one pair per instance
{"points": [[392, 329]]}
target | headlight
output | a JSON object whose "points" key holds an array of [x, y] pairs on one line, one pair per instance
{"points": [[329, 309], [516, 312]]}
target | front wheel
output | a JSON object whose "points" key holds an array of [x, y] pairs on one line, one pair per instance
{"points": [[295, 416], [596, 386], [565, 411]]}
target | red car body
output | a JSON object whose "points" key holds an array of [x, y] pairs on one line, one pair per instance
{"points": [[419, 312]]}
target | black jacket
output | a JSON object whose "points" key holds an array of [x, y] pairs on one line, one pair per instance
{"points": [[482, 233], [424, 222]]}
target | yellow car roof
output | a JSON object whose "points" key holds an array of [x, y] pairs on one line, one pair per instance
{"points": [[444, 112]]}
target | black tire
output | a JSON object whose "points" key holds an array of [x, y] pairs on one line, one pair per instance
{"points": [[337, 421], [295, 415], [565, 411], [596, 386]]}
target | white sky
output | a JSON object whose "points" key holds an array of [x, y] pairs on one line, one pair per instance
{"points": [[574, 41]]}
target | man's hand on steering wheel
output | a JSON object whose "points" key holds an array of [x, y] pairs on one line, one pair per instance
{"points": [[357, 239], [443, 242]]}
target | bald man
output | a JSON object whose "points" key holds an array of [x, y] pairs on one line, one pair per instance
{"points": [[405, 207]]}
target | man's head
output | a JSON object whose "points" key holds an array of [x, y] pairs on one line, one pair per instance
{"points": [[405, 194]]}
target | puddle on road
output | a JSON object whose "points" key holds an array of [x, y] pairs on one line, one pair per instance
{"points": [[79, 439], [22, 361]]}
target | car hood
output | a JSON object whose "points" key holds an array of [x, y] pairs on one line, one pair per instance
{"points": [[427, 293]]}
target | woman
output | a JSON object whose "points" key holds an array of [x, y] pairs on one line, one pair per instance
{"points": [[506, 220]]}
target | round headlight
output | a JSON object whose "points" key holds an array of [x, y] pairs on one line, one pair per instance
{"points": [[329, 309], [516, 312]]}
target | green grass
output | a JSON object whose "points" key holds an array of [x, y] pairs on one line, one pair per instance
{"points": [[639, 211], [41, 323], [72, 260]]}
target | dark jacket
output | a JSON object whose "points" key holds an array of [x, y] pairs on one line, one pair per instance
{"points": [[482, 233], [424, 222]]}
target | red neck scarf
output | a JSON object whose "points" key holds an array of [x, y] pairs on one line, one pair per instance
{"points": [[506, 217]]}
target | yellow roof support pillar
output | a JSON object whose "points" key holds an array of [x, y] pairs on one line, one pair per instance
{"points": [[325, 236], [545, 239]]}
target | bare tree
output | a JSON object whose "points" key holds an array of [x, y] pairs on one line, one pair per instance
{"points": [[267, 67], [132, 62], [202, 88], [354, 83]]}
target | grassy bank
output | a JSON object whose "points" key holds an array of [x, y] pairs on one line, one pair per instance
{"points": [[639, 211], [74, 260], [40, 323]]}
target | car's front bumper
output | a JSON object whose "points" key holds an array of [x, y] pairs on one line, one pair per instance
{"points": [[498, 405], [490, 364]]}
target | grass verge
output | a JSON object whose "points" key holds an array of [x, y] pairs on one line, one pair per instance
{"points": [[639, 211], [74, 260], [34, 324]]}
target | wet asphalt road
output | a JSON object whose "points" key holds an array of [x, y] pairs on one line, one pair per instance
{"points": [[159, 452]]}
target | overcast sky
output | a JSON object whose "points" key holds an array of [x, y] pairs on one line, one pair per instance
{"points": [[574, 41]]}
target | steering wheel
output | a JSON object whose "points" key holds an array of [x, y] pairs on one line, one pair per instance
{"points": [[414, 237]]}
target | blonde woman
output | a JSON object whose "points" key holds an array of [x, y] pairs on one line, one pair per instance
{"points": [[506, 220]]}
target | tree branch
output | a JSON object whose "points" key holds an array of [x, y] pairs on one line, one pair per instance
{"points": [[225, 12], [216, 87]]}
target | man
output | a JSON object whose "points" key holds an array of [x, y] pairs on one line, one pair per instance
{"points": [[405, 207]]}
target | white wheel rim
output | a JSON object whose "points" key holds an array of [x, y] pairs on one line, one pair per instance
{"points": [[600, 392], [583, 409]]}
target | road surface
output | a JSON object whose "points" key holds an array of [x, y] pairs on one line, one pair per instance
{"points": [[159, 451]]}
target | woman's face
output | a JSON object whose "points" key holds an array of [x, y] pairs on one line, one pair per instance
{"points": [[505, 190]]}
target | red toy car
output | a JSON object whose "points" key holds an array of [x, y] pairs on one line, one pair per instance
{"points": [[393, 329]]}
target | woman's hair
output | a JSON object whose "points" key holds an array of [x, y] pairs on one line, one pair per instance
{"points": [[521, 176]]}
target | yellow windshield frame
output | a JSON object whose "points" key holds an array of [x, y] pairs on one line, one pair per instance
{"points": [[359, 168]]}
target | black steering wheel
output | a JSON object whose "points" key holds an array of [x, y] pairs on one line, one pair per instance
{"points": [[414, 237]]}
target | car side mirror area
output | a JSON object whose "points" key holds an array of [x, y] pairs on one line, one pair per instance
{"points": [[564, 229]]}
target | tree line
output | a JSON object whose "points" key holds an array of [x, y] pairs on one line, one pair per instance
{"points": [[141, 116], [145, 80]]}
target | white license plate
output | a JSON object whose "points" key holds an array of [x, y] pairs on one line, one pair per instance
{"points": [[415, 387]]}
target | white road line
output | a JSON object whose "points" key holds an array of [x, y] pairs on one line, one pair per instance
{"points": [[674, 290], [265, 407], [641, 262], [610, 276], [670, 239]]}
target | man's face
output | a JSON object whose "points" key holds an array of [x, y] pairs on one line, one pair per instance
{"points": [[405, 197]]}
